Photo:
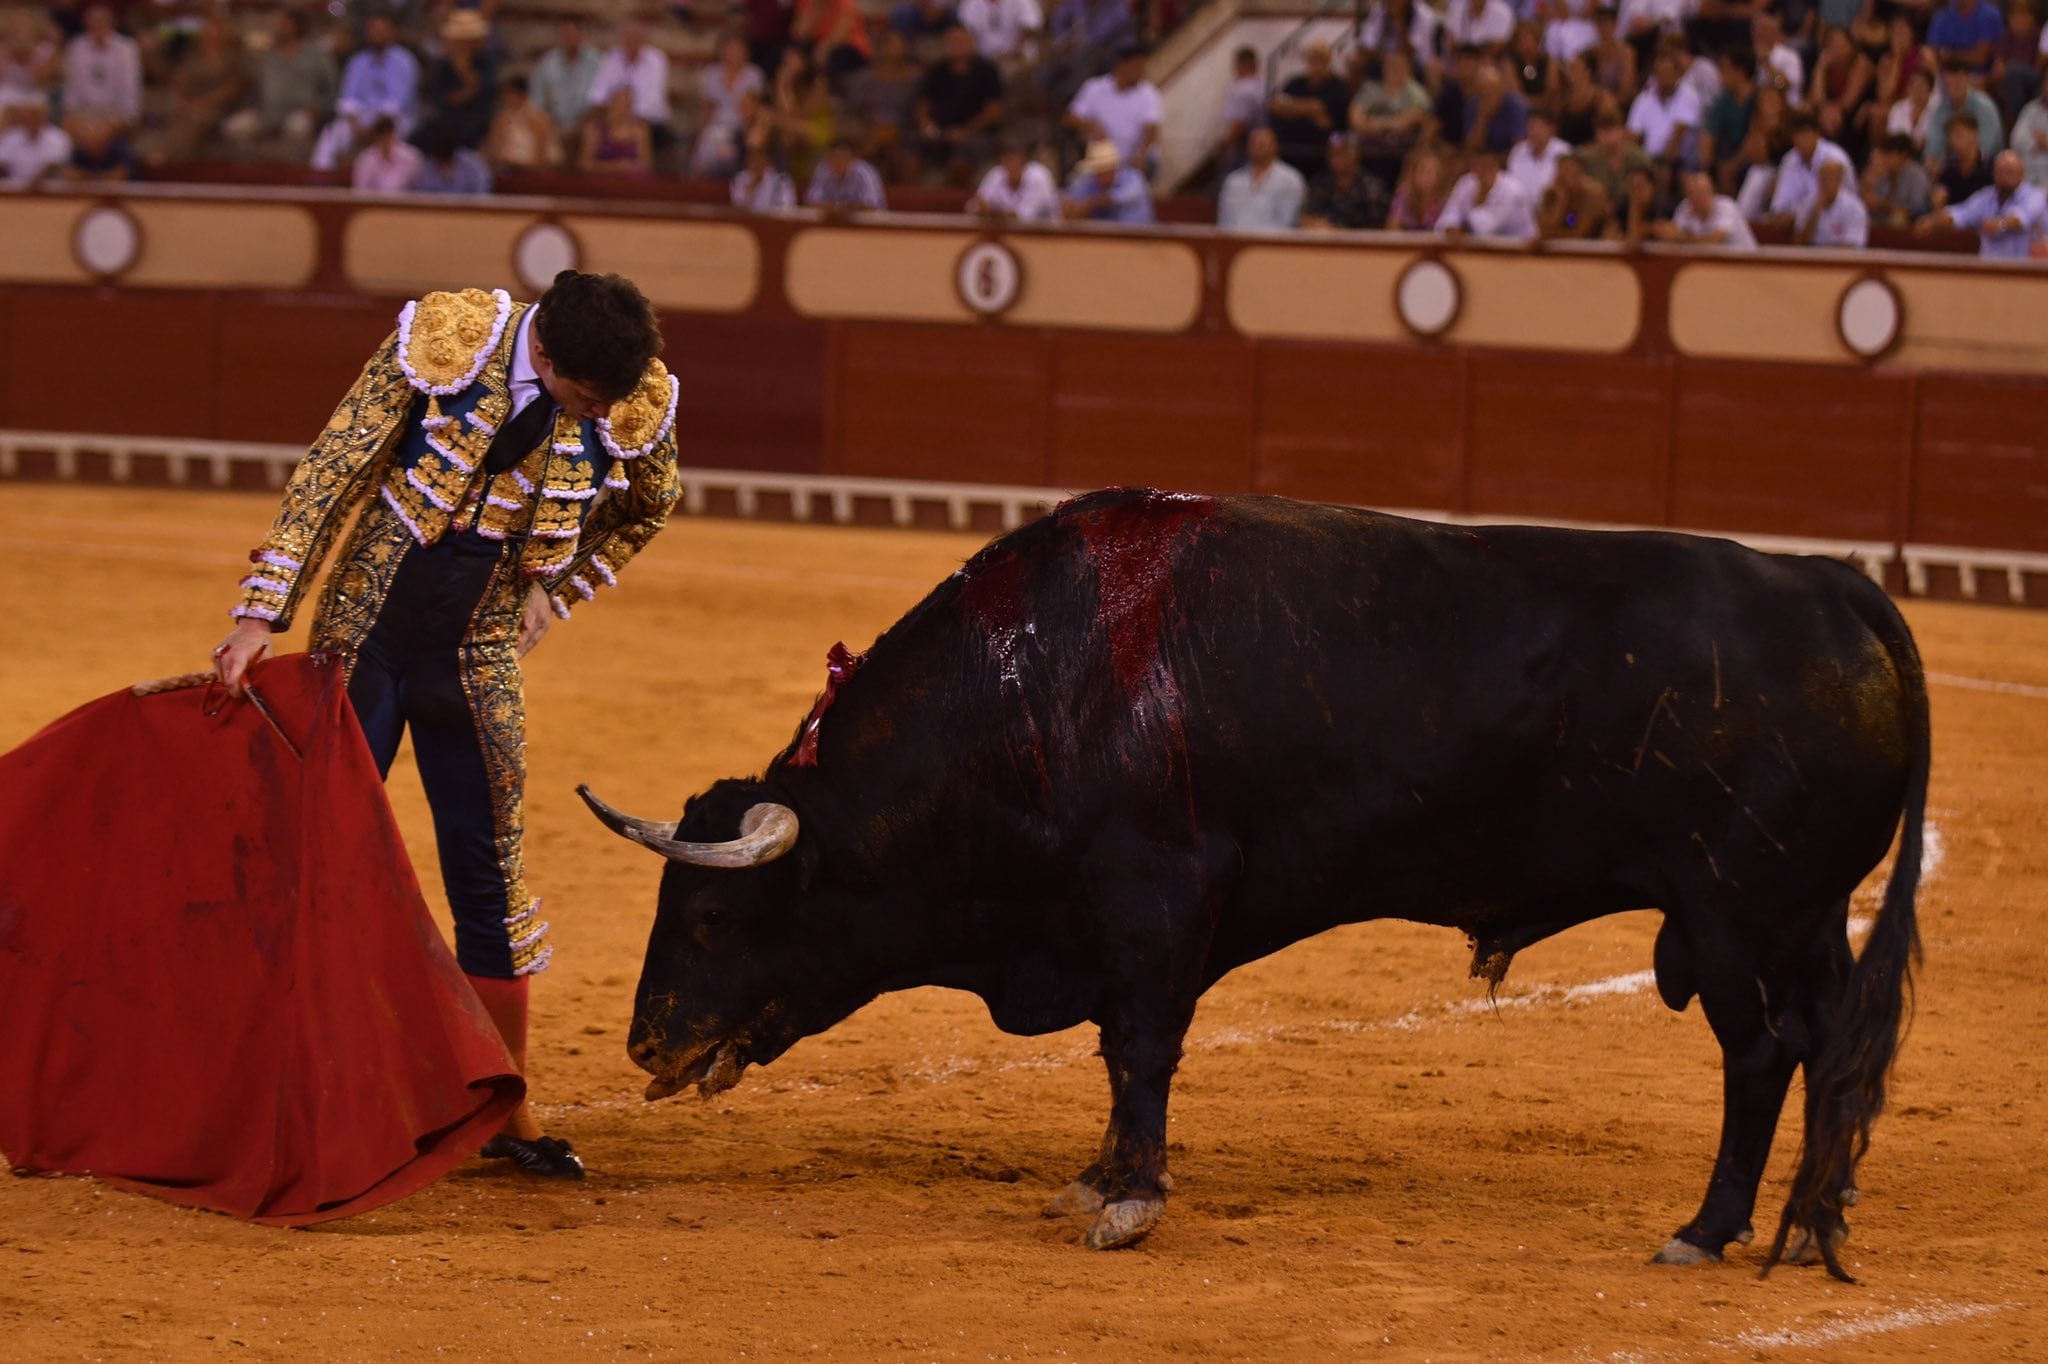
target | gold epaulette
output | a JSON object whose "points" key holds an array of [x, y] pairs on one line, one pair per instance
{"points": [[446, 339]]}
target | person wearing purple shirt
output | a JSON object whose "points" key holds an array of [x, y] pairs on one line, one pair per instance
{"points": [[382, 80], [1967, 30], [2009, 214]]}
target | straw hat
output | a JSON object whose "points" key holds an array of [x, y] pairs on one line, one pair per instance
{"points": [[1101, 159]]}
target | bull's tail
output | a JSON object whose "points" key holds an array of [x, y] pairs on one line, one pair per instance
{"points": [[1846, 1082]]}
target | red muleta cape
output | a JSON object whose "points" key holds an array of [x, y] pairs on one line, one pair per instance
{"points": [[219, 983]]}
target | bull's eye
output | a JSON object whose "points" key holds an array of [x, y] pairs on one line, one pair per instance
{"points": [[713, 917]]}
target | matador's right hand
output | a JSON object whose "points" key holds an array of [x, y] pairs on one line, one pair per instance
{"points": [[248, 642]]}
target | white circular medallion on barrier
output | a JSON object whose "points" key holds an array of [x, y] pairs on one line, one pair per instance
{"points": [[1869, 316], [1427, 297], [543, 251], [989, 278], [106, 240]]}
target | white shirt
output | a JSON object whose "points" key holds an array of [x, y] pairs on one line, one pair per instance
{"points": [[1902, 120], [1845, 222], [1534, 169], [525, 378], [1262, 203], [1505, 212], [1422, 26], [1245, 103], [1035, 198], [1724, 217], [1652, 117], [25, 159], [103, 79], [999, 26], [1704, 80], [1123, 114], [1666, 15], [1787, 63], [719, 103], [1797, 181], [771, 192], [646, 75], [1493, 23]]}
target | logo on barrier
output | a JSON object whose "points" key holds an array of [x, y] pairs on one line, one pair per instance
{"points": [[989, 278]]}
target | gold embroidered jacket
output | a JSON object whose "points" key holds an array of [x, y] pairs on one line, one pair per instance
{"points": [[575, 509]]}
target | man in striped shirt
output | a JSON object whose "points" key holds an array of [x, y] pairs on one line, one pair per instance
{"points": [[843, 181]]}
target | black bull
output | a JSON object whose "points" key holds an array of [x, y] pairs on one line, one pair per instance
{"points": [[1150, 738]]}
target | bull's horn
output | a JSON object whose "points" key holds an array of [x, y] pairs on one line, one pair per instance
{"points": [[767, 831]]}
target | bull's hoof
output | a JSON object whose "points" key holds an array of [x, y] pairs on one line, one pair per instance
{"points": [[1679, 1251], [1076, 1200], [1802, 1249], [1746, 1235], [1125, 1223]]}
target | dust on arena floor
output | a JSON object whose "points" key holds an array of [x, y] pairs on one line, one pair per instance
{"points": [[1371, 1161]]}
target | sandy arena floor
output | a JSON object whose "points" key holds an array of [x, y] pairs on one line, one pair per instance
{"points": [[1370, 1164]]}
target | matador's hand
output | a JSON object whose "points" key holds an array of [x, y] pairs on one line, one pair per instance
{"points": [[249, 641], [539, 617]]}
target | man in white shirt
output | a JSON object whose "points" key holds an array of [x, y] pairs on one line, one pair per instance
{"points": [[1017, 189], [1122, 107], [642, 69], [2009, 214], [1704, 218], [32, 148], [1798, 172], [1767, 36], [1264, 194], [103, 71], [1666, 112], [1484, 24], [1486, 203], [1533, 160], [1833, 218], [1003, 30]]}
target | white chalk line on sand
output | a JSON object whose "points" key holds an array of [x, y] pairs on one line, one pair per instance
{"points": [[1862, 1324], [1990, 684]]}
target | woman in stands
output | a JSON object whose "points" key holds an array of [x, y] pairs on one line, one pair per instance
{"points": [[1581, 101], [618, 141], [1419, 201]]}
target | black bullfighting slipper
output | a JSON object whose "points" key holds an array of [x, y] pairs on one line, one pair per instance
{"points": [[548, 1157]]}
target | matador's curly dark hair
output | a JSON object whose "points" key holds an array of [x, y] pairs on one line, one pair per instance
{"points": [[598, 330]]}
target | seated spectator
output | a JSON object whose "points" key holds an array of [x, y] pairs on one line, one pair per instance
{"points": [[103, 71], [1537, 77], [1017, 189], [1496, 118], [1573, 208], [760, 187], [1079, 32], [1767, 40], [1901, 56], [448, 167], [1798, 173], [1896, 191], [1665, 113], [32, 149], [1389, 114], [1616, 65], [1005, 31], [387, 164], [1839, 84], [1913, 115], [461, 85], [1533, 160], [1264, 194], [1453, 96], [1581, 102], [721, 86], [1346, 195], [1310, 106], [2015, 61], [1123, 107], [99, 154], [2009, 214], [1834, 216], [923, 24], [805, 120], [1420, 197], [1959, 98], [881, 104], [1643, 213], [380, 82], [1485, 203], [1244, 106], [1965, 32], [1725, 125], [1703, 77], [295, 89], [28, 60], [834, 35], [1484, 24], [1755, 173], [1705, 218], [522, 136], [1572, 31], [1610, 158], [1403, 26], [641, 70], [562, 79], [959, 106], [844, 182], [617, 141], [2030, 140], [206, 86], [1104, 190], [1645, 24], [1964, 171]]}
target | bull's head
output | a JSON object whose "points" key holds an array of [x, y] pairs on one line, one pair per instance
{"points": [[732, 976]]}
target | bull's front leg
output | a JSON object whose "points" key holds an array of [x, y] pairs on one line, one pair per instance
{"points": [[1130, 1177]]}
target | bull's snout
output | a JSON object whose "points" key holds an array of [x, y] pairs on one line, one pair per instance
{"points": [[644, 1053]]}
